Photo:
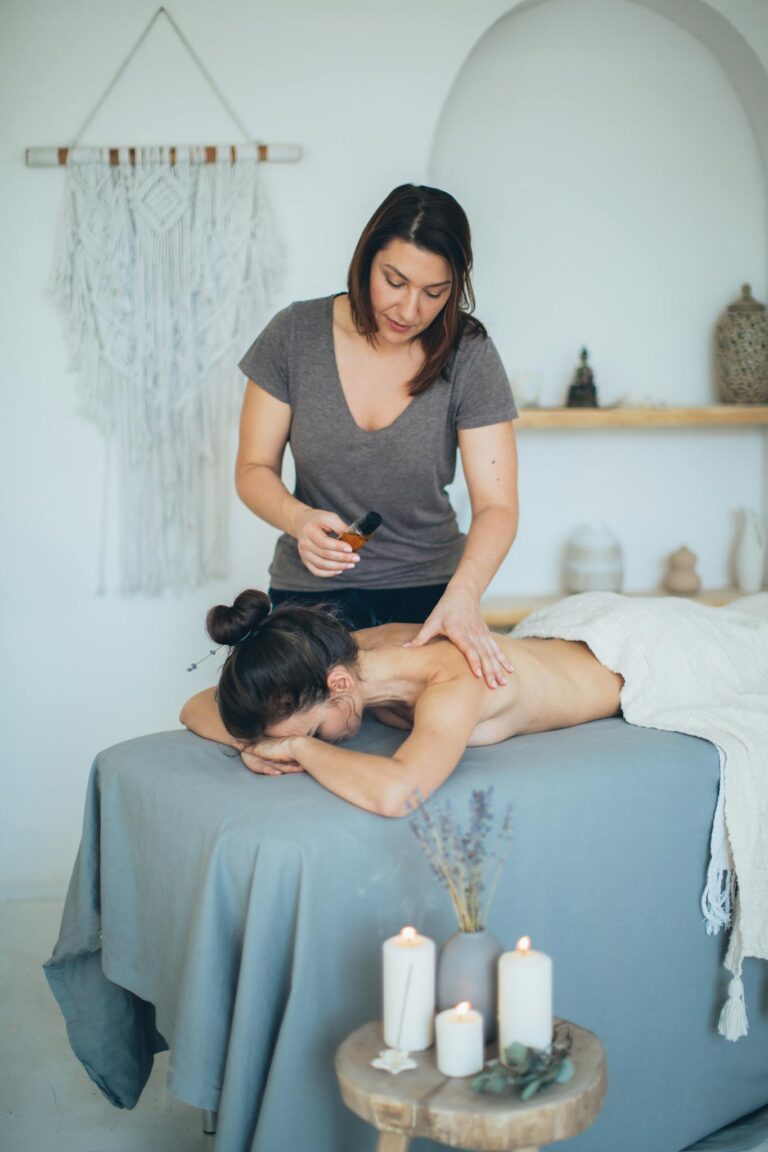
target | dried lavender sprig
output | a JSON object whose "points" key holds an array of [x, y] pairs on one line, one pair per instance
{"points": [[480, 824], [457, 858], [437, 857], [501, 855]]}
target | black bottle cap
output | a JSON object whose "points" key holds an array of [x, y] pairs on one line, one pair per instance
{"points": [[368, 523]]}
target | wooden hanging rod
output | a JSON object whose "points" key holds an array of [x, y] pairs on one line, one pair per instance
{"points": [[54, 157]]}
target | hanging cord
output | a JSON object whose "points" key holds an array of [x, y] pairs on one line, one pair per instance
{"points": [[196, 59]]}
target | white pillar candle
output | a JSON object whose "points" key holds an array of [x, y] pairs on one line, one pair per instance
{"points": [[525, 997], [409, 991], [459, 1033]]}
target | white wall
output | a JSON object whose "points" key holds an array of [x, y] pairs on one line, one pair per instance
{"points": [[361, 88], [618, 200]]}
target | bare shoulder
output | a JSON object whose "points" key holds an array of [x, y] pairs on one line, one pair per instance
{"points": [[384, 635], [446, 715], [447, 663]]}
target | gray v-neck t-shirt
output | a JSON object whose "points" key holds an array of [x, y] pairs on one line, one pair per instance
{"points": [[400, 471]]}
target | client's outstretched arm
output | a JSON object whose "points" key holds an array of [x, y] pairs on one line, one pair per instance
{"points": [[201, 715], [444, 719]]}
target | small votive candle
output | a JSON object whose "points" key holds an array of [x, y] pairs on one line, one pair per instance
{"points": [[459, 1034], [525, 998], [409, 991]]}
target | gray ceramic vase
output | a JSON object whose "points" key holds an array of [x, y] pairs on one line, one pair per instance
{"points": [[467, 970]]}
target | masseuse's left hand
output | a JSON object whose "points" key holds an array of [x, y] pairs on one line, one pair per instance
{"points": [[457, 616]]}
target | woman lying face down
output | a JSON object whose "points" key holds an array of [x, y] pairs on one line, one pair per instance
{"points": [[296, 682]]}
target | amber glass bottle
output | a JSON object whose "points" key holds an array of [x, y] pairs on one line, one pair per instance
{"points": [[360, 532]]}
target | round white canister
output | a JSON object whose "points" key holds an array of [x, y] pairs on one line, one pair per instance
{"points": [[593, 560]]}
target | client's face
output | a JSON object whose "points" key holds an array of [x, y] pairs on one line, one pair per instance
{"points": [[333, 720]]}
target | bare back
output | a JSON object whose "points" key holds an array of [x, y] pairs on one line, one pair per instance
{"points": [[555, 683], [431, 691]]}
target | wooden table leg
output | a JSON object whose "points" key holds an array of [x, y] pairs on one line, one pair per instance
{"points": [[393, 1142]]}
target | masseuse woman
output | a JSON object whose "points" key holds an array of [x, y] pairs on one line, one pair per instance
{"points": [[374, 389]]}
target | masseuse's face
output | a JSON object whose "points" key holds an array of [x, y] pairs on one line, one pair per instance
{"points": [[409, 286]]}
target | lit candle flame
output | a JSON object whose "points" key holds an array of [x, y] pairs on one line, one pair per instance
{"points": [[408, 933], [523, 944], [463, 1008]]}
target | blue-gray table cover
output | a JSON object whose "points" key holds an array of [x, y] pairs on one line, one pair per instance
{"points": [[238, 920]]}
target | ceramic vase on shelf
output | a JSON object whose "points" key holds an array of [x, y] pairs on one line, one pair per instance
{"points": [[749, 556], [742, 351], [466, 970], [593, 560], [681, 578]]}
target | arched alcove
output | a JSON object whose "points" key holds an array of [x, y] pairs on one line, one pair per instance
{"points": [[612, 158]]}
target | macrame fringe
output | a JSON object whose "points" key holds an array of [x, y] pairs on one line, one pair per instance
{"points": [[165, 273], [733, 1017]]}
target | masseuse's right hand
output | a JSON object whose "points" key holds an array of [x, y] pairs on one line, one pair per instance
{"points": [[321, 553]]}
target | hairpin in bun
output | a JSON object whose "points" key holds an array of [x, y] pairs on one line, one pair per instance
{"points": [[249, 611], [218, 648], [211, 652]]}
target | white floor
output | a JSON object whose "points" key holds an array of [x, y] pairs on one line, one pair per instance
{"points": [[48, 1103]]}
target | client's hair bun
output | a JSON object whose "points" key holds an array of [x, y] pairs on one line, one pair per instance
{"points": [[229, 625]]}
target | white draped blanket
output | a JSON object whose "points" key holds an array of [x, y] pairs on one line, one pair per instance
{"points": [[704, 672]]}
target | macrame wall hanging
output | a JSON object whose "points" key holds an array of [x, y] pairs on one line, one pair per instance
{"points": [[165, 263]]}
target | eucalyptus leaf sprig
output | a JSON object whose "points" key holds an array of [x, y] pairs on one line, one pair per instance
{"points": [[528, 1069], [460, 859]]}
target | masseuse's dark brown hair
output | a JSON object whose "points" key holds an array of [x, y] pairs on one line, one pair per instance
{"points": [[278, 662], [431, 219]]}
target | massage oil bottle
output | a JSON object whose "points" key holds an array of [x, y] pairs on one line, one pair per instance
{"points": [[360, 531]]}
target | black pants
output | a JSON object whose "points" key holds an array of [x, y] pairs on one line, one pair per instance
{"points": [[365, 607]]}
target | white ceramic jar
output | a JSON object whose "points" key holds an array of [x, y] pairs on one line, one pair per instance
{"points": [[750, 551], [593, 560]]}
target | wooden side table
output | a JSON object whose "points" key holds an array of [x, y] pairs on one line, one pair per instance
{"points": [[423, 1102]]}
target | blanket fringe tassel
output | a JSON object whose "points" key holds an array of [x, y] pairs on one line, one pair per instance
{"points": [[733, 1018], [719, 892], [717, 898]]}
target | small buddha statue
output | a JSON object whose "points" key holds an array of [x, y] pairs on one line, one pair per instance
{"points": [[582, 392]]}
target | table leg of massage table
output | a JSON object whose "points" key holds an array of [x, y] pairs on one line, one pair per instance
{"points": [[209, 1122]]}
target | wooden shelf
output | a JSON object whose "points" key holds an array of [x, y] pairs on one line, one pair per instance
{"points": [[506, 611], [712, 416]]}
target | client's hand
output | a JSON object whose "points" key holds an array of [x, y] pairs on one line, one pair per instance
{"points": [[269, 758]]}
